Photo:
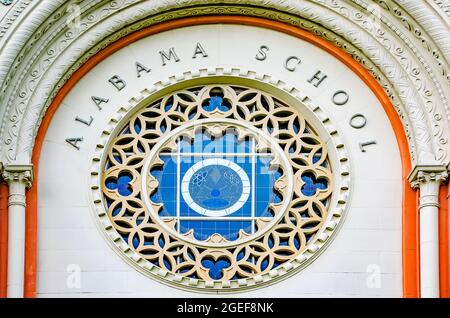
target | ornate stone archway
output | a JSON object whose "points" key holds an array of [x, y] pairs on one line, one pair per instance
{"points": [[403, 44]]}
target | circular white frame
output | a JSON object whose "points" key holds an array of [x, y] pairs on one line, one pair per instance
{"points": [[312, 112], [221, 162], [278, 153]]}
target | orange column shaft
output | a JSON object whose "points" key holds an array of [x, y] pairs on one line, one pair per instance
{"points": [[29, 290], [444, 246], [3, 239]]}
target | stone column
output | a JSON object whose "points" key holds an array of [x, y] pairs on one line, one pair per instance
{"points": [[19, 178], [428, 180]]}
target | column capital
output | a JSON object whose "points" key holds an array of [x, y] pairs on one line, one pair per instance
{"points": [[20, 173], [422, 174]]}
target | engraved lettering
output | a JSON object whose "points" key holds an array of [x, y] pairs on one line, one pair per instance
{"points": [[84, 121], [262, 53], [362, 145], [141, 68], [74, 142], [168, 56], [340, 98], [117, 82], [358, 121], [318, 78], [288, 65], [199, 50], [99, 100]]}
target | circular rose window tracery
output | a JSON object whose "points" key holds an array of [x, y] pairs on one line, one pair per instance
{"points": [[218, 184]]}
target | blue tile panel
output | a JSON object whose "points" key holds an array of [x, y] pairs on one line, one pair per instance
{"points": [[219, 195]]}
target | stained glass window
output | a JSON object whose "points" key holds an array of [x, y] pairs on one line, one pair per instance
{"points": [[216, 186], [217, 183]]}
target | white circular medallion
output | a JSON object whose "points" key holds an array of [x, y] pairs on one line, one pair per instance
{"points": [[220, 186]]}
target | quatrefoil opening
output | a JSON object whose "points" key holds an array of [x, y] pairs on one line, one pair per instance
{"points": [[217, 102], [122, 184], [216, 267], [312, 184]]}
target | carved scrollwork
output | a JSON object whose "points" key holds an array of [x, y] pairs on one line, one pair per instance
{"points": [[330, 20]]}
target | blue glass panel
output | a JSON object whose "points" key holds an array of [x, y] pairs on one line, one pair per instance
{"points": [[216, 267], [228, 143], [126, 130], [312, 185], [297, 243], [166, 191], [270, 242], [137, 126], [118, 158], [296, 125], [264, 264], [121, 184], [265, 179], [204, 229], [283, 243], [213, 188], [216, 102], [117, 209], [315, 159], [163, 128], [167, 264], [111, 185], [136, 241]]}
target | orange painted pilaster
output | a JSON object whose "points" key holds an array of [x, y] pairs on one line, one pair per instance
{"points": [[31, 236], [3, 239], [444, 246]]}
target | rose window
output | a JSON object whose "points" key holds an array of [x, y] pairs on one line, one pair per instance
{"points": [[217, 184]]}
